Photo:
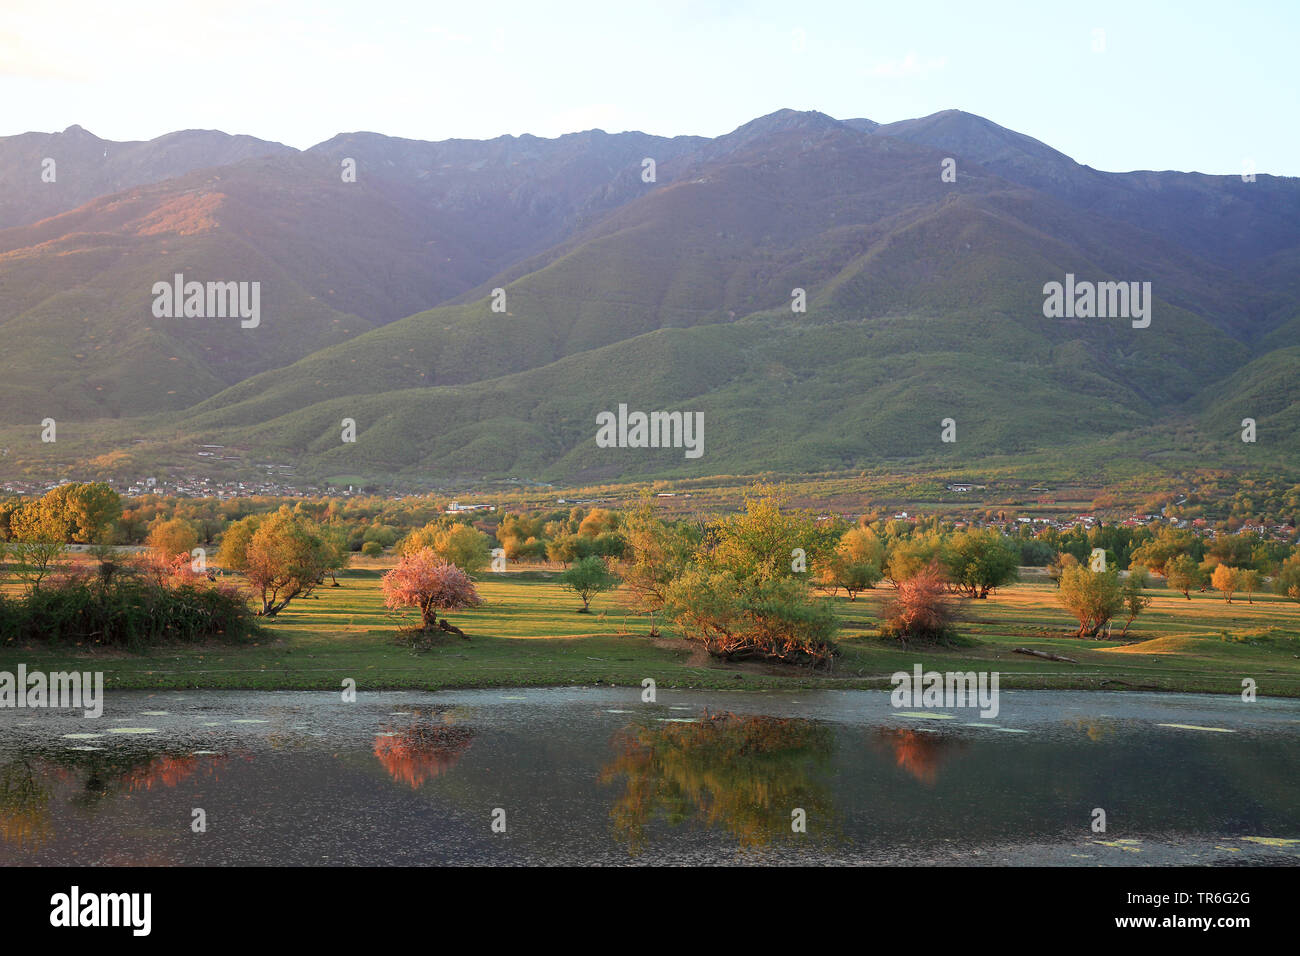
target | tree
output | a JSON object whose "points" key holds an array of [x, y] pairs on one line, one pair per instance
{"points": [[336, 552], [458, 544], [233, 552], [287, 557], [587, 578], [37, 534], [657, 553], [772, 619], [908, 558], [1057, 566], [1135, 600], [979, 561], [171, 537], [83, 512], [1287, 582], [1093, 597], [856, 562], [761, 542], [1225, 579], [423, 579], [1183, 574], [1167, 546], [1248, 580], [598, 521]]}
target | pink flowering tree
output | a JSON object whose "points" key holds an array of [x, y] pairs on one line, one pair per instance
{"points": [[422, 579]]}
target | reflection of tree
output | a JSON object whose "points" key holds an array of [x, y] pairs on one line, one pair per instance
{"points": [[917, 752], [107, 774], [24, 805], [418, 754], [1095, 728], [168, 771], [745, 774]]}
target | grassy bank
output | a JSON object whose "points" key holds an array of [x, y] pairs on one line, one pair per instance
{"points": [[528, 634]]}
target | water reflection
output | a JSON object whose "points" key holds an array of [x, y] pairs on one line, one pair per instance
{"points": [[86, 779], [24, 805], [415, 755], [918, 752], [744, 775]]}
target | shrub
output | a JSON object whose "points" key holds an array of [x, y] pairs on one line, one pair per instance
{"points": [[372, 549], [128, 611], [921, 610], [773, 619]]}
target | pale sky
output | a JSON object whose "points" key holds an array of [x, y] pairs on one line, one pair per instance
{"points": [[1192, 85]]}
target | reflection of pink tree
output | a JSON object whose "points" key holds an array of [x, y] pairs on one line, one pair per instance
{"points": [[422, 579]]}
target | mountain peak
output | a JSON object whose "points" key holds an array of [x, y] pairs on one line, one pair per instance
{"points": [[787, 119]]}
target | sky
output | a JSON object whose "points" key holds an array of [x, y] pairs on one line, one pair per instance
{"points": [[1116, 85]]}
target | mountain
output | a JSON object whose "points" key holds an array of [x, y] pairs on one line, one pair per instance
{"points": [[85, 166], [924, 301], [1220, 217]]}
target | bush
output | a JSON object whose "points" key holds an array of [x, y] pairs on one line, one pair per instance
{"points": [[774, 619], [921, 610], [126, 612], [372, 549]]}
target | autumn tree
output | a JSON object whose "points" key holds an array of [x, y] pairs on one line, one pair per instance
{"points": [[921, 609], [1248, 581], [37, 542], [286, 558], [657, 553], [460, 544], [233, 551], [422, 579], [172, 536], [745, 594], [1225, 580], [856, 564]]}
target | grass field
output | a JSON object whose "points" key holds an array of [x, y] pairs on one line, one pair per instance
{"points": [[528, 634]]}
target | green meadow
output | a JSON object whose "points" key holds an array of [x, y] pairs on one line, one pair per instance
{"points": [[528, 633]]}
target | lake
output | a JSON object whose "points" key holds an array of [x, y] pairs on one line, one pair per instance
{"points": [[596, 776]]}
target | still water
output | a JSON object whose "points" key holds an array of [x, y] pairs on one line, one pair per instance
{"points": [[596, 776]]}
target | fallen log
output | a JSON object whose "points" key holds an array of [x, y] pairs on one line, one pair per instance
{"points": [[452, 629], [1044, 655]]}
